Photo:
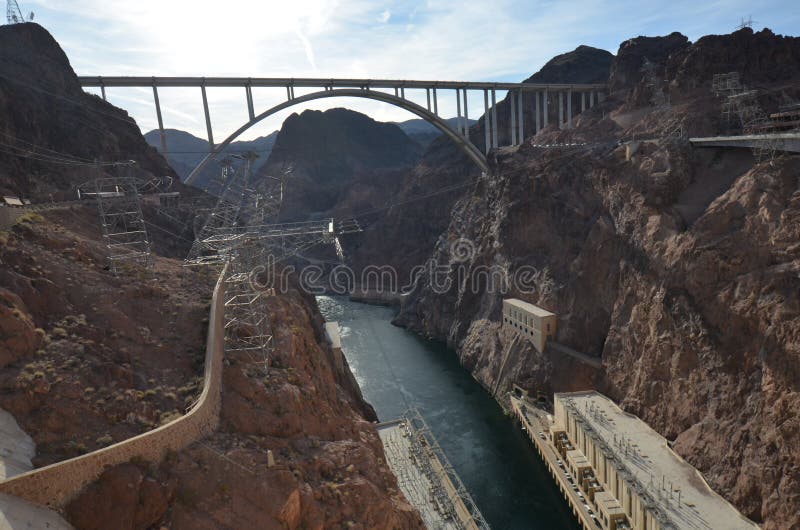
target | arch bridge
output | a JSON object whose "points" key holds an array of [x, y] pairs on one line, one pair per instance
{"points": [[388, 91]]}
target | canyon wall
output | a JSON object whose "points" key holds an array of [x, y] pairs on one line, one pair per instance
{"points": [[676, 267]]}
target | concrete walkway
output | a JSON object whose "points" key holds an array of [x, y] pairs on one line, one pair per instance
{"points": [[16, 451]]}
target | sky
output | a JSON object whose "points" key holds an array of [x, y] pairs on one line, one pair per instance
{"points": [[466, 40]]}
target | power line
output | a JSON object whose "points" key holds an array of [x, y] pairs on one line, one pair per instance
{"points": [[127, 120]]}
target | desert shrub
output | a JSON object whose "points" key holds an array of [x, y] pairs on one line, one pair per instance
{"points": [[105, 440], [29, 218]]}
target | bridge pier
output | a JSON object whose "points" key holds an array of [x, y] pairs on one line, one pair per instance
{"points": [[435, 102], [560, 109], [208, 119], [512, 116], [162, 135], [466, 116], [591, 99], [520, 96], [251, 112], [494, 117], [487, 122], [569, 109], [458, 111], [583, 101], [428, 96], [538, 125], [546, 107]]}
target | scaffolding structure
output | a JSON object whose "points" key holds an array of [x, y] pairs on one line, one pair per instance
{"points": [[446, 489], [655, 85], [122, 222], [740, 109]]}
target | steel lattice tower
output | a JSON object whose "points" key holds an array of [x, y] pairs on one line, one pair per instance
{"points": [[13, 12], [122, 222]]}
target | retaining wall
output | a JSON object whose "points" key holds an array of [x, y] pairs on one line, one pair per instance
{"points": [[56, 484]]}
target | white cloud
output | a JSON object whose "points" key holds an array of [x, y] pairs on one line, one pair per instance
{"points": [[385, 16]]}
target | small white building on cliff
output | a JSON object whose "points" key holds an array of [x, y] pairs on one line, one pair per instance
{"points": [[530, 321]]}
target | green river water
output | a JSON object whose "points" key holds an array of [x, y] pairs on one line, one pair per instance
{"points": [[397, 369]]}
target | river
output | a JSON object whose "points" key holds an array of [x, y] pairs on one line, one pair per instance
{"points": [[397, 369]]}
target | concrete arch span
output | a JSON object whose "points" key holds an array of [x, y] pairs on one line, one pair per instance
{"points": [[461, 141]]}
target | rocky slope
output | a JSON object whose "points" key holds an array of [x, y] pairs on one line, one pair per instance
{"points": [[88, 359], [676, 267], [329, 468]]}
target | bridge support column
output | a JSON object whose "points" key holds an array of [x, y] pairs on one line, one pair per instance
{"points": [[560, 109], [583, 101], [487, 123], [458, 111], [435, 102], [512, 107], [519, 111], [251, 112], [494, 118], [591, 99], [537, 111], [546, 105], [208, 119], [600, 97], [569, 109], [103, 92], [403, 92], [161, 134], [428, 95], [466, 116]]}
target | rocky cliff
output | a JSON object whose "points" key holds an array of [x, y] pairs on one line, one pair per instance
{"points": [[50, 128], [403, 233], [676, 267], [341, 161]]}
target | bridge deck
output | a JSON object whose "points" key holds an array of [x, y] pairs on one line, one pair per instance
{"points": [[132, 81], [785, 141]]}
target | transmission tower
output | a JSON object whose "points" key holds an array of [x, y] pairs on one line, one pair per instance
{"points": [[210, 245], [14, 13], [121, 220]]}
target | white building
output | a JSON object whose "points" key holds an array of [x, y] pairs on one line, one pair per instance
{"points": [[530, 321], [628, 473]]}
